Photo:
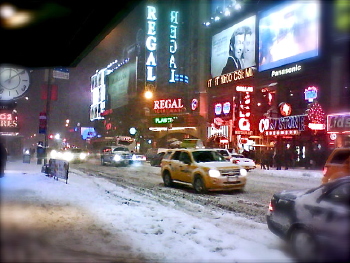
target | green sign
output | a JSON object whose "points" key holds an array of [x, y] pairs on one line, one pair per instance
{"points": [[164, 120]]}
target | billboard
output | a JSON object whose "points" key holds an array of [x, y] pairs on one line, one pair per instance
{"points": [[234, 48], [288, 33]]}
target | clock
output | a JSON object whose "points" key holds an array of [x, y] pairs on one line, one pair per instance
{"points": [[14, 82]]}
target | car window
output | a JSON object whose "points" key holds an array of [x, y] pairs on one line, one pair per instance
{"points": [[123, 149], [176, 155], [237, 155], [208, 156], [339, 195], [340, 157], [185, 157], [223, 152], [167, 155]]}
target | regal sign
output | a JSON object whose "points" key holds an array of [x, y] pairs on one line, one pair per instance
{"points": [[168, 105], [338, 122], [151, 44]]}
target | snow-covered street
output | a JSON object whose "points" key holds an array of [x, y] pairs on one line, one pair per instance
{"points": [[91, 219]]}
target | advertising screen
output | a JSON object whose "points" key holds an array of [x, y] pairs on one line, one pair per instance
{"points": [[288, 33], [234, 48]]}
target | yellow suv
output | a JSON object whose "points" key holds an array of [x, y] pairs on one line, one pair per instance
{"points": [[205, 169], [337, 165]]}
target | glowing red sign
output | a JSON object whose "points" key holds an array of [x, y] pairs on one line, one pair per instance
{"points": [[168, 105]]}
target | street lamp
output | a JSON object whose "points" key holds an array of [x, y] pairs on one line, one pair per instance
{"points": [[148, 94]]}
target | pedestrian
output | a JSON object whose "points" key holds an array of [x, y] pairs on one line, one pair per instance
{"points": [[278, 160], [3, 158], [263, 160]]}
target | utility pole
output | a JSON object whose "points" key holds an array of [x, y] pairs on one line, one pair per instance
{"points": [[48, 72]]}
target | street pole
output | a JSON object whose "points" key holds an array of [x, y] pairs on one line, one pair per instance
{"points": [[47, 109]]}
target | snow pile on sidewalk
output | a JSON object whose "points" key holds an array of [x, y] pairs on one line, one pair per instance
{"points": [[110, 221]]}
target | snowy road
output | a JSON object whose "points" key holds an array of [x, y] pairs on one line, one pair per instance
{"points": [[252, 203], [109, 214]]}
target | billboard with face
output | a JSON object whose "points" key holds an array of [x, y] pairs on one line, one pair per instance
{"points": [[288, 33], [234, 48]]}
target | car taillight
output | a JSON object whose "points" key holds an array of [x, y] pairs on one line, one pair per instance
{"points": [[235, 161], [324, 170], [271, 208]]}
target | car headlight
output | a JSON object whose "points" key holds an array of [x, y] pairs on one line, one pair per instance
{"points": [[243, 172], [82, 156], [214, 173], [68, 156], [117, 158], [133, 157]]}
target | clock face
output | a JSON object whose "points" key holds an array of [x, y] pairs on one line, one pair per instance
{"points": [[14, 82]]}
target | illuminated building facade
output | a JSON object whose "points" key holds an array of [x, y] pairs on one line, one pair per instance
{"points": [[237, 81]]}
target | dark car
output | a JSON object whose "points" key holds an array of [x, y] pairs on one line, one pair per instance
{"points": [[159, 157], [316, 222]]}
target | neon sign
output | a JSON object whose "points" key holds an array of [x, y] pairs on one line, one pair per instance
{"points": [[173, 44], [338, 122], [168, 105], [8, 120], [310, 94], [244, 112], [151, 44], [290, 125]]}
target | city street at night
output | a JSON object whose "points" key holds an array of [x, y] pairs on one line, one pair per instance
{"points": [[125, 214]]}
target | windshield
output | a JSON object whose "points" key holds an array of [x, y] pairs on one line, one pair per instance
{"points": [[207, 156], [223, 152], [121, 149]]}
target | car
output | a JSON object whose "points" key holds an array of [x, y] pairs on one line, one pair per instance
{"points": [[337, 165], [204, 169], [116, 155], [224, 152], [72, 155], [137, 158], [159, 157], [246, 163], [315, 222]]}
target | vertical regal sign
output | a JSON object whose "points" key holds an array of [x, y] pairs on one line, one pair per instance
{"points": [[173, 44], [151, 44]]}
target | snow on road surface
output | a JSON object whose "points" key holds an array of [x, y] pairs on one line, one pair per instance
{"points": [[92, 220]]}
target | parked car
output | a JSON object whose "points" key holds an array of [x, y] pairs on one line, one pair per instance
{"points": [[205, 169], [246, 163], [224, 152], [337, 165], [115, 155], [315, 222]]}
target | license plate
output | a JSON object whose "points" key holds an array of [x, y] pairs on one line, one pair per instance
{"points": [[232, 179]]}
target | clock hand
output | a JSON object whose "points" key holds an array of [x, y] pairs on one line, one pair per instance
{"points": [[9, 79]]}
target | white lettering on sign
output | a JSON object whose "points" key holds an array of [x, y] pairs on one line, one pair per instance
{"points": [[173, 44], [296, 122], [151, 44], [275, 73], [168, 104]]}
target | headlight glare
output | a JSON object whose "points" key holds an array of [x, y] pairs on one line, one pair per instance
{"points": [[214, 173], [243, 172], [117, 158]]}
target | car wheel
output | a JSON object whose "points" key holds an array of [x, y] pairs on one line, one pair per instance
{"points": [[199, 186], [304, 245], [168, 181]]}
